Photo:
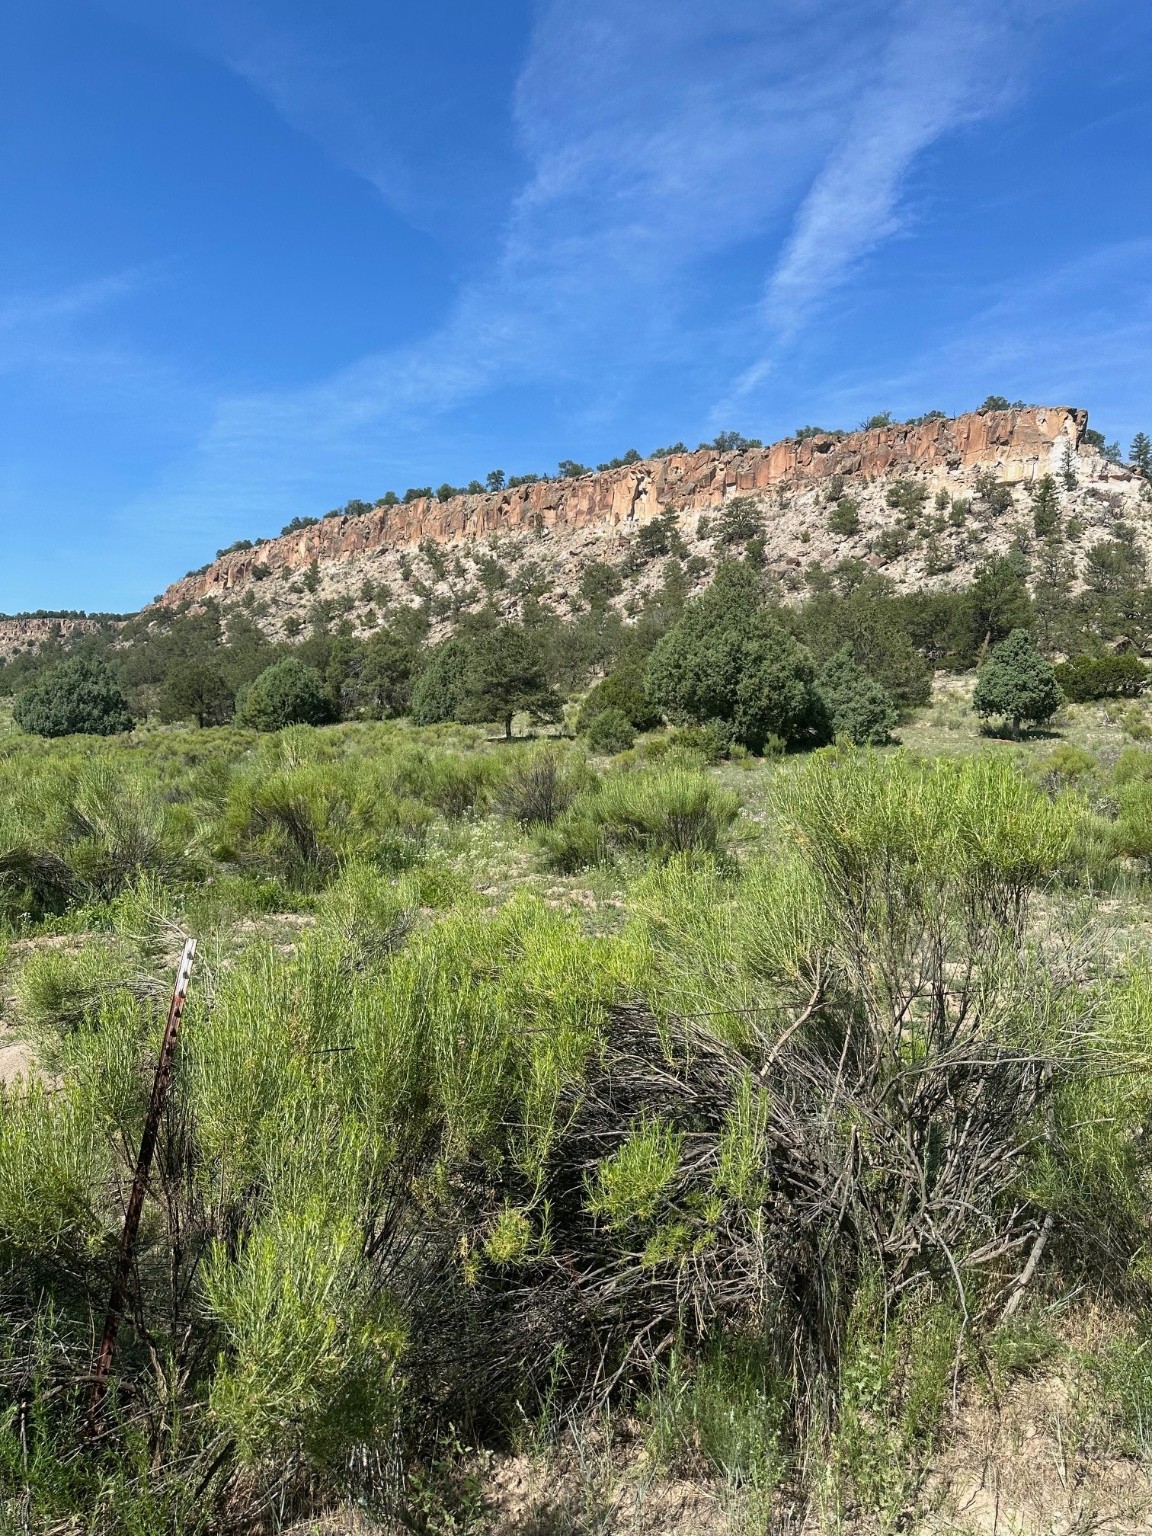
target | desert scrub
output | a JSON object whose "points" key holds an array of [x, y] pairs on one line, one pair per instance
{"points": [[725, 1406], [799, 1121], [309, 1339], [1092, 1171], [658, 813], [541, 783], [74, 831], [303, 822], [730, 945], [894, 1380], [454, 783], [59, 989], [886, 836]]}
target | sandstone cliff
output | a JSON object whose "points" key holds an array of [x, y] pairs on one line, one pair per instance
{"points": [[361, 564]]}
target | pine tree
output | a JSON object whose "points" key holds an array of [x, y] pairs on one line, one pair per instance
{"points": [[487, 671], [995, 604], [195, 690], [504, 674], [1052, 579], [1045, 508], [1141, 454]]}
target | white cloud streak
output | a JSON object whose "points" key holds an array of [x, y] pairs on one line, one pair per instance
{"points": [[658, 137], [947, 63], [655, 138], [33, 324]]}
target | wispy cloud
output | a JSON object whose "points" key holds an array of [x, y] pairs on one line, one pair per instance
{"points": [[33, 324], [1079, 333], [657, 137], [944, 65]]}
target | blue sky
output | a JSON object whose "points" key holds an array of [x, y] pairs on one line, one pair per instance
{"points": [[261, 256]]}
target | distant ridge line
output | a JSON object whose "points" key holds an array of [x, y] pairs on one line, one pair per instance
{"points": [[1019, 444]]}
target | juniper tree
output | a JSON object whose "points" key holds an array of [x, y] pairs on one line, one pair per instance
{"points": [[79, 697], [859, 709], [287, 693], [1017, 684], [610, 731], [623, 690], [729, 661], [439, 689], [844, 519]]}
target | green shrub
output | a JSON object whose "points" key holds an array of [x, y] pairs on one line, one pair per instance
{"points": [[844, 519], [704, 743], [456, 784], [309, 1342], [1016, 684], [622, 689], [196, 691], [741, 519], [610, 732], [891, 543], [894, 1381], [82, 830], [573, 843], [540, 786], [303, 823], [286, 693], [861, 711], [662, 813], [1067, 766], [907, 496], [1083, 678], [59, 990], [79, 697], [729, 661]]}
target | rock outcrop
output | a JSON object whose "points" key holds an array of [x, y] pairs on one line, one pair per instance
{"points": [[29, 632], [570, 541], [1018, 446]]}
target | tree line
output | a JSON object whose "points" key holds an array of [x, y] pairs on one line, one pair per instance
{"points": [[849, 660]]}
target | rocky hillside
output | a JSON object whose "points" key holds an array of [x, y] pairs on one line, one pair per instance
{"points": [[925, 502], [28, 632]]}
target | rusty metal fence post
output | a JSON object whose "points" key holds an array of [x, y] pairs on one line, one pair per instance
{"points": [[160, 1085]]}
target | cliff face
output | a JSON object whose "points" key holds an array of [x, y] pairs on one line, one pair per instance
{"points": [[30, 633], [1017, 446], [552, 539]]}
